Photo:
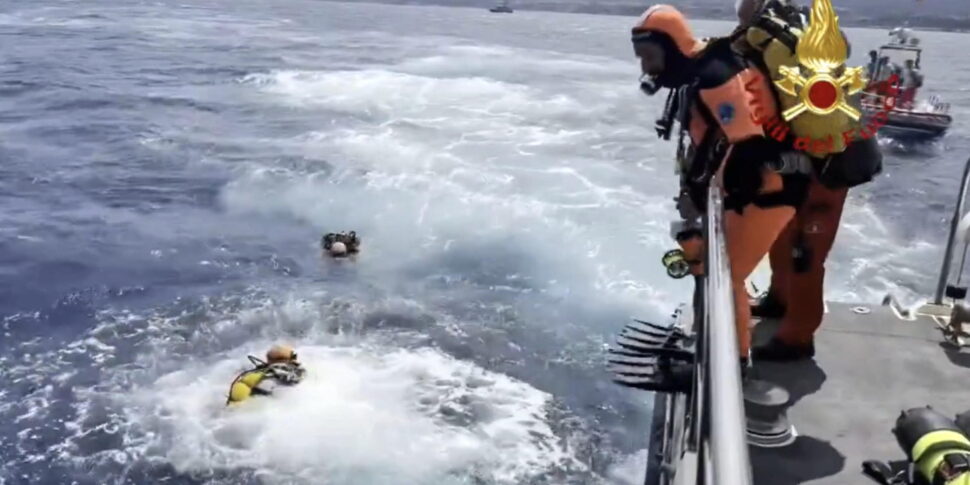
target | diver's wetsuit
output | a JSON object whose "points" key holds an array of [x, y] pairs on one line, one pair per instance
{"points": [[727, 95]]}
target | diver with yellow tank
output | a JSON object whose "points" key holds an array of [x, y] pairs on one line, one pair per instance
{"points": [[937, 450], [280, 368]]}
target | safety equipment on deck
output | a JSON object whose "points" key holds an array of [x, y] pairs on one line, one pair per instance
{"points": [[937, 451]]}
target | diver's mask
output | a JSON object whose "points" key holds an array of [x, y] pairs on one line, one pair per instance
{"points": [[677, 69]]}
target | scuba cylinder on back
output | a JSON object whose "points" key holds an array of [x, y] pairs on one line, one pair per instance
{"points": [[771, 40], [937, 448]]}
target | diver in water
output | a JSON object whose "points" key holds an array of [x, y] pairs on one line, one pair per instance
{"points": [[340, 245], [280, 368]]}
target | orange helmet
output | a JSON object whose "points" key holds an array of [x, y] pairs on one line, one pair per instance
{"points": [[665, 19]]}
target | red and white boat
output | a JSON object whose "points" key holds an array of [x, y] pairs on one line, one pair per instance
{"points": [[905, 116]]}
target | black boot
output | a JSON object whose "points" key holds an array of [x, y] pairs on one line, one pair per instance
{"points": [[777, 351], [768, 307]]}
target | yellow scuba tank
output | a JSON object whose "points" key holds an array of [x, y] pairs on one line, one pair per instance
{"points": [[242, 387], [772, 42], [935, 445]]}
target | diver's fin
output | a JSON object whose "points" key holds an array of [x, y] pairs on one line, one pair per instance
{"points": [[675, 353], [652, 328], [645, 340], [620, 357], [648, 335], [662, 328], [660, 377], [652, 357]]}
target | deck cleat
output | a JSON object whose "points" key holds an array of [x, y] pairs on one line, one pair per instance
{"points": [[766, 406]]}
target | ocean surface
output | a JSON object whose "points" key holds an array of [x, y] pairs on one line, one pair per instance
{"points": [[167, 170]]}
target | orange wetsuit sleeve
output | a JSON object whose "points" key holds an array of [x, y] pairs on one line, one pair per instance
{"points": [[740, 105]]}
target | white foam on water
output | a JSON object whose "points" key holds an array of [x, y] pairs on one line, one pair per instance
{"points": [[447, 154], [865, 267], [369, 412], [363, 415], [629, 470]]}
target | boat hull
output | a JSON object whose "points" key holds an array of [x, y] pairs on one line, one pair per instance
{"points": [[915, 125]]}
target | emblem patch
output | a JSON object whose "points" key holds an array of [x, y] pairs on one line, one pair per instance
{"points": [[725, 112]]}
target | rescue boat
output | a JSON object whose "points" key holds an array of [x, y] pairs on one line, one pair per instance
{"points": [[502, 7], [919, 120]]}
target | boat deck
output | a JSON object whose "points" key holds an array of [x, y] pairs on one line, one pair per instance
{"points": [[867, 369]]}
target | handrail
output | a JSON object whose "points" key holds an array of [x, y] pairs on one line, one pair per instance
{"points": [[703, 438], [958, 212], [729, 449]]}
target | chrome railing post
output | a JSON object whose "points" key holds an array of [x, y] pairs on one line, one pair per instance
{"points": [[954, 223], [728, 444]]}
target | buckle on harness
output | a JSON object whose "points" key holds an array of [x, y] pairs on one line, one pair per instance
{"points": [[792, 162], [953, 465]]}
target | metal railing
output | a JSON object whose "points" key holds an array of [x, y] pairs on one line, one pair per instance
{"points": [[958, 212], [701, 438], [728, 444]]}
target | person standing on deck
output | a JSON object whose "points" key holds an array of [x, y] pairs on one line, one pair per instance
{"points": [[912, 81], [798, 256], [873, 66]]}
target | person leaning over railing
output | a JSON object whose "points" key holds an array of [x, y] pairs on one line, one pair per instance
{"points": [[720, 94]]}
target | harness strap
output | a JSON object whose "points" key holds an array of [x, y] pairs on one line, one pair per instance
{"points": [[666, 121], [878, 471], [708, 154], [782, 32]]}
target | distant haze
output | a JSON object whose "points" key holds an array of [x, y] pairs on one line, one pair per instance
{"points": [[937, 14]]}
